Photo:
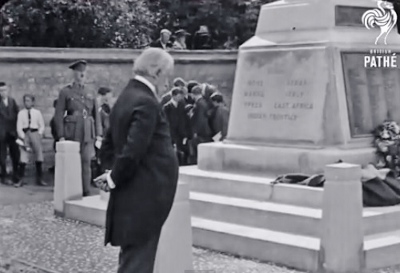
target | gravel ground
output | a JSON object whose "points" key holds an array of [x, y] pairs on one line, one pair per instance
{"points": [[30, 232]]}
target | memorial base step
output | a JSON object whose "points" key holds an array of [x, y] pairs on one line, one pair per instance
{"points": [[91, 210], [265, 245], [251, 186], [225, 156], [247, 215], [300, 252]]}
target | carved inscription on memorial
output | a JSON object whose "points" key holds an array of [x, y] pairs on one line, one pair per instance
{"points": [[373, 93], [279, 95], [288, 106], [349, 16]]}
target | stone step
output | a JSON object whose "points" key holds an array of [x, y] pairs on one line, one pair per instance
{"points": [[382, 250], [282, 217], [250, 187], [258, 214], [91, 210], [300, 252], [381, 220]]}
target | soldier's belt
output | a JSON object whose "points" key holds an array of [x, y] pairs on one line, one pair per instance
{"points": [[82, 113]]}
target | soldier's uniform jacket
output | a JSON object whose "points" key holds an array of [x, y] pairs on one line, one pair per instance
{"points": [[77, 115]]}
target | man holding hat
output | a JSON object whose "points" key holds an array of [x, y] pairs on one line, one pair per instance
{"points": [[180, 42], [164, 40], [77, 119]]}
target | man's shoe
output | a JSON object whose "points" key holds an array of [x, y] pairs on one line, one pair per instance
{"points": [[40, 182], [18, 184]]}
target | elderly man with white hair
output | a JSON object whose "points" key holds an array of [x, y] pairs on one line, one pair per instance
{"points": [[142, 164], [164, 41]]}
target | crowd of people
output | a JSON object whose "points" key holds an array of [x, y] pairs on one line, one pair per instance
{"points": [[200, 40], [197, 114], [21, 132]]}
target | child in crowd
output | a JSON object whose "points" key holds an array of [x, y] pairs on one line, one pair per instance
{"points": [[220, 118], [30, 129]]}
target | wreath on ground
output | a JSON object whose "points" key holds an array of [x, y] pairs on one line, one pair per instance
{"points": [[387, 144]]}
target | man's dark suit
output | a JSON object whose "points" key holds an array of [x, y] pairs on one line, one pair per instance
{"points": [[200, 126], [137, 149], [8, 135], [200, 120], [157, 43], [179, 126]]}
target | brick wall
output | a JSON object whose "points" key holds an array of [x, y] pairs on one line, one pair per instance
{"points": [[43, 72]]}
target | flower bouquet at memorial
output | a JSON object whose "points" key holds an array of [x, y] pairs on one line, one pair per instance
{"points": [[387, 144]]}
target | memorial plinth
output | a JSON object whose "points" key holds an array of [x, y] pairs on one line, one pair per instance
{"points": [[302, 93], [303, 98]]}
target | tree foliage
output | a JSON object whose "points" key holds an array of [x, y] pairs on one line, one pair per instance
{"points": [[225, 18], [122, 23], [77, 23]]}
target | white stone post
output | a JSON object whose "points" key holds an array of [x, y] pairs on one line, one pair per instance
{"points": [[174, 253], [68, 175], [341, 249]]}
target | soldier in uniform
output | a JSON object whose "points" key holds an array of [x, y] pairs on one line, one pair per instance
{"points": [[77, 119]]}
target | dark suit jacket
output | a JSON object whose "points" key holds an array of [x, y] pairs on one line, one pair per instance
{"points": [[178, 122], [137, 148], [220, 121], [200, 119], [157, 43], [8, 118]]}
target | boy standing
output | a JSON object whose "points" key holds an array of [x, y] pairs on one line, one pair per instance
{"points": [[30, 128], [220, 118]]}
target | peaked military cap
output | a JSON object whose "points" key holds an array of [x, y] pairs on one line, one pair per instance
{"points": [[78, 65], [2, 84]]}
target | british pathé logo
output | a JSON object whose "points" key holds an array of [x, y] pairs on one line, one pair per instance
{"points": [[383, 17], [380, 58]]}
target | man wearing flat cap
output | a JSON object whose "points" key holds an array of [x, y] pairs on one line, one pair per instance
{"points": [[164, 40], [180, 42], [77, 119]]}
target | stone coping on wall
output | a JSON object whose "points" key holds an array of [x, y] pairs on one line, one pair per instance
{"points": [[109, 55]]}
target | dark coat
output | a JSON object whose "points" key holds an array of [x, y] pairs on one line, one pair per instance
{"points": [[200, 119], [137, 149], [157, 43], [105, 117], [178, 122], [8, 118], [220, 121]]}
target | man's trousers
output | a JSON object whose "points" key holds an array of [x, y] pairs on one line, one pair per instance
{"points": [[139, 258], [87, 153], [9, 142]]}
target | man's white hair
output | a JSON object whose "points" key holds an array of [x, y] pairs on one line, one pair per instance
{"points": [[153, 62]]}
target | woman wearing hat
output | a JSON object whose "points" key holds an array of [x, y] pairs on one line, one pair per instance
{"points": [[180, 42], [202, 39]]}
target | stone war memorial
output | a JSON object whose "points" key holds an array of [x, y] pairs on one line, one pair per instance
{"points": [[304, 98]]}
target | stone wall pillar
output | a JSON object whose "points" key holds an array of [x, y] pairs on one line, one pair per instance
{"points": [[67, 178], [174, 253], [341, 249]]}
